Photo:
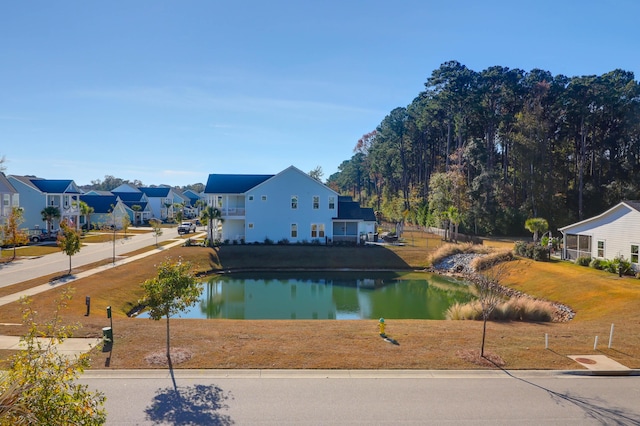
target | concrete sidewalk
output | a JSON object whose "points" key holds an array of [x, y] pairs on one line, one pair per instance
{"points": [[72, 346], [601, 365], [68, 279]]}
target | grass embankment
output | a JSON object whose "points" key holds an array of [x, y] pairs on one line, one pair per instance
{"points": [[598, 298]]}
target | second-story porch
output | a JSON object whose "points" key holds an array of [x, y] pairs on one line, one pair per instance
{"points": [[230, 205]]}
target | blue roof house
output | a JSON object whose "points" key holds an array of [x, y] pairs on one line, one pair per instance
{"points": [[160, 201], [37, 193], [108, 211], [137, 205], [290, 205]]}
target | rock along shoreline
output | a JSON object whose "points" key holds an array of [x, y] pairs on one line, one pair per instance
{"points": [[459, 266]]}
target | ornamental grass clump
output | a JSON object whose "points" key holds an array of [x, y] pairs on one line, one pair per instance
{"points": [[525, 309], [514, 309], [464, 311], [485, 262]]}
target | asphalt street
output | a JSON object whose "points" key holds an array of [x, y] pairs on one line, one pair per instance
{"points": [[309, 397], [27, 269]]}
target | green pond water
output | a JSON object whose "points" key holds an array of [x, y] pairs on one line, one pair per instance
{"points": [[342, 296]]}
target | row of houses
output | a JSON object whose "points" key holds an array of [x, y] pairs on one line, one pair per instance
{"points": [[289, 205]]}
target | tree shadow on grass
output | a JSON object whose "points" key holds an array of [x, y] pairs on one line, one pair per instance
{"points": [[593, 408], [189, 405]]}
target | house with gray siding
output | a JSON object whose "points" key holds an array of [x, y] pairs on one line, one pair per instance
{"points": [[614, 233], [9, 198], [37, 193]]}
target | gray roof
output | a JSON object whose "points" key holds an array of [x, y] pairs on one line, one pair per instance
{"points": [[633, 204], [351, 210], [5, 185], [233, 184]]}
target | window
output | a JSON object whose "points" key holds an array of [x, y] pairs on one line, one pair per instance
{"points": [[600, 248], [263, 198], [317, 230], [251, 226], [332, 203], [294, 230], [5, 200], [250, 197], [316, 202], [634, 253], [294, 202]]}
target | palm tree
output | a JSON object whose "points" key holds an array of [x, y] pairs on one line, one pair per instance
{"points": [[178, 209], [536, 225], [49, 214], [453, 214], [136, 208], [212, 216], [86, 211]]}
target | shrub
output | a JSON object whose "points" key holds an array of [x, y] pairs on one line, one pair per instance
{"points": [[283, 242], [583, 261], [535, 251], [597, 264], [268, 241], [619, 264], [520, 248], [540, 253]]}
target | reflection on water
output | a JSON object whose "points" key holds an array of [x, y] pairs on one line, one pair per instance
{"points": [[327, 296]]}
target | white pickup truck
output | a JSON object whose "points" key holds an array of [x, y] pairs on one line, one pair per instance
{"points": [[186, 228]]}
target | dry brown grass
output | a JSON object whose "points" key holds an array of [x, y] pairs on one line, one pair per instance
{"points": [[599, 301]]}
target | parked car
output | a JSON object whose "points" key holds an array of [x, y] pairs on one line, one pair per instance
{"points": [[186, 228], [37, 235]]}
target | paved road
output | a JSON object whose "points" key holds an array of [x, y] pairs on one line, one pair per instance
{"points": [[26, 269], [304, 397]]}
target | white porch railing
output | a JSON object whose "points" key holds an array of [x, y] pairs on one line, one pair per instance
{"points": [[233, 211]]}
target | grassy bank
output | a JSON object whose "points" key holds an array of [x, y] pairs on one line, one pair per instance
{"points": [[599, 299]]}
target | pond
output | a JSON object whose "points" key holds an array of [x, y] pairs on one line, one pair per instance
{"points": [[323, 295]]}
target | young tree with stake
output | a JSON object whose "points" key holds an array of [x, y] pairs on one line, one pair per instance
{"points": [[173, 290]]}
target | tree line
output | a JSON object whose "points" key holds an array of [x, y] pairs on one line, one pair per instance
{"points": [[487, 150]]}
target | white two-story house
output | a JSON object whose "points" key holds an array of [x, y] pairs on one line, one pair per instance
{"points": [[289, 206], [37, 193]]}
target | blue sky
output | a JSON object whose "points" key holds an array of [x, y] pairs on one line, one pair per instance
{"points": [[170, 91]]}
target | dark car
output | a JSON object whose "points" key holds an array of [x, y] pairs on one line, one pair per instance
{"points": [[37, 235]]}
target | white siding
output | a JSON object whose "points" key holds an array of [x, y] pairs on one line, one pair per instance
{"points": [[618, 228], [272, 218]]}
